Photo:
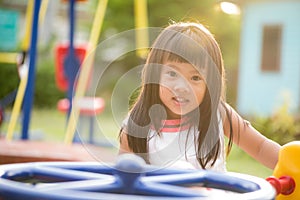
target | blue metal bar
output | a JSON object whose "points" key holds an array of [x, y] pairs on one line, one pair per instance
{"points": [[72, 25], [28, 97], [71, 62], [69, 68], [91, 133]]}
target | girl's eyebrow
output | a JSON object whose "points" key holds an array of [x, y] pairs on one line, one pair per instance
{"points": [[194, 71]]}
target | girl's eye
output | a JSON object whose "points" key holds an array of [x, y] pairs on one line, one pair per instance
{"points": [[172, 73], [196, 78]]}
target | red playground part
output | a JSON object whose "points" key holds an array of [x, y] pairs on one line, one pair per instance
{"points": [[284, 185], [60, 54], [89, 106]]}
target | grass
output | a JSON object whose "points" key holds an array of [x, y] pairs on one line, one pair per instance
{"points": [[49, 125], [239, 161]]}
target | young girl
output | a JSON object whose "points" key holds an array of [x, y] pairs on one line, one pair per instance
{"points": [[180, 117]]}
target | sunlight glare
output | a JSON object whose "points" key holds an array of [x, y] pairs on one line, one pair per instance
{"points": [[230, 8]]}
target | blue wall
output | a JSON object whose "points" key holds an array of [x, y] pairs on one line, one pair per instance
{"points": [[262, 92]]}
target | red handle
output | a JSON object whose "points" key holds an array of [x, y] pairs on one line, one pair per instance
{"points": [[284, 185]]}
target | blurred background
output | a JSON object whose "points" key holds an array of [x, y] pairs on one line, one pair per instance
{"points": [[259, 40]]}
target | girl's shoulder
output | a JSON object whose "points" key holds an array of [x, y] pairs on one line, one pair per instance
{"points": [[227, 112]]}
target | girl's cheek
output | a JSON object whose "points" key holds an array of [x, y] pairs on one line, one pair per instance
{"points": [[166, 83], [164, 90]]}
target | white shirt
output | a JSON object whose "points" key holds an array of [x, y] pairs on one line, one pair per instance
{"points": [[174, 149]]}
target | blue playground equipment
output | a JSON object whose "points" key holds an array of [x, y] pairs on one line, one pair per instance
{"points": [[28, 97], [130, 178], [71, 66]]}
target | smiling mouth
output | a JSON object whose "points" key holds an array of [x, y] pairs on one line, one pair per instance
{"points": [[180, 100]]}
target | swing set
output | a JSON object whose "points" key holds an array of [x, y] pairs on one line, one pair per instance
{"points": [[68, 60]]}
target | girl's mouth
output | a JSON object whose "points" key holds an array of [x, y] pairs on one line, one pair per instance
{"points": [[180, 100]]}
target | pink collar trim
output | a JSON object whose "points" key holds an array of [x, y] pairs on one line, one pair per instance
{"points": [[174, 125]]}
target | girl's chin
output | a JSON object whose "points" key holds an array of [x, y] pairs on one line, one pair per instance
{"points": [[176, 115]]}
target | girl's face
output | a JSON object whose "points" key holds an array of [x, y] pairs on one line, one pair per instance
{"points": [[182, 88]]}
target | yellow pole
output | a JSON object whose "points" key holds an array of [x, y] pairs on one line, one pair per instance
{"points": [[28, 21], [43, 10], [10, 58], [141, 25], [18, 102], [85, 69], [23, 74]]}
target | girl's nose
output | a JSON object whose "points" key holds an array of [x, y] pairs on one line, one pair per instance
{"points": [[181, 85]]}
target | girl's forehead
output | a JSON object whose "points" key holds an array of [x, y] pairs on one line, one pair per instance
{"points": [[174, 57], [180, 65], [200, 62], [197, 59]]}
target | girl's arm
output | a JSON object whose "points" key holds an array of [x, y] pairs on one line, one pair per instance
{"points": [[250, 140], [124, 148]]}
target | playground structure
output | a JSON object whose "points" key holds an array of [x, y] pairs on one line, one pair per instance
{"points": [[65, 180], [131, 178], [70, 67], [69, 59], [12, 151], [128, 179]]}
